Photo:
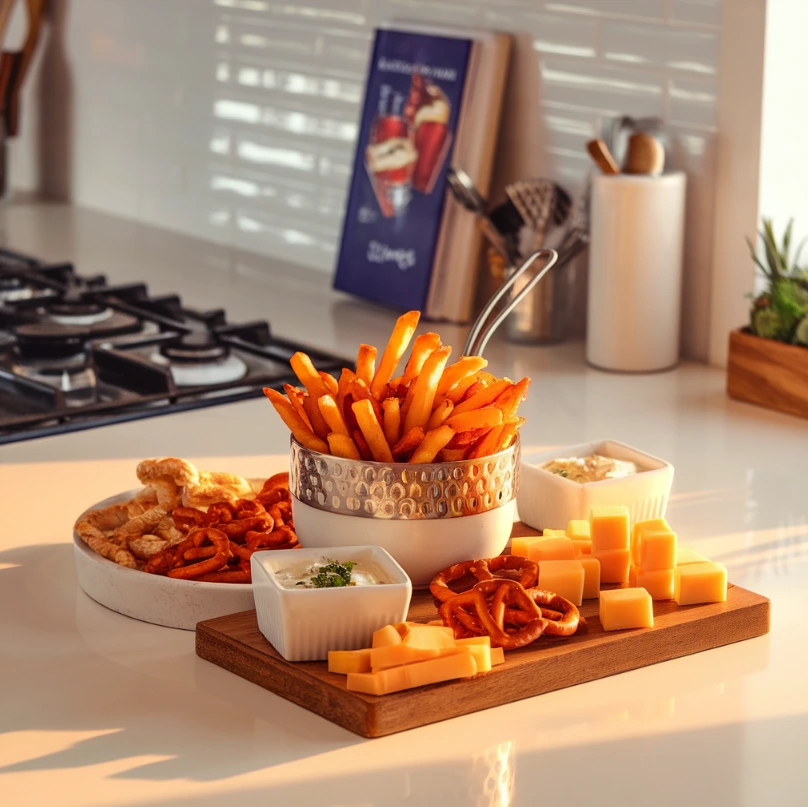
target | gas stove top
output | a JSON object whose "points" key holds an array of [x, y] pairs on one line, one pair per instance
{"points": [[76, 353]]}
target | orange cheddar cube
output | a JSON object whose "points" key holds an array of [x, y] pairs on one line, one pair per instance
{"points": [[554, 534], [624, 608], [654, 545], [686, 556], [388, 635], [583, 545], [497, 656], [460, 664], [564, 577], [614, 565], [482, 656], [486, 640], [429, 636], [609, 528], [349, 661], [578, 530], [658, 583], [699, 583], [552, 549], [591, 567], [519, 546]]}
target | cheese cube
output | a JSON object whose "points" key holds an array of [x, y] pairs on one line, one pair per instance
{"points": [[519, 546], [552, 549], [564, 577], [497, 656], [699, 583], [685, 556], [554, 534], [614, 565], [623, 608], [654, 545], [388, 635], [609, 527], [659, 583], [349, 661], [578, 530], [583, 545], [460, 664], [591, 567]]}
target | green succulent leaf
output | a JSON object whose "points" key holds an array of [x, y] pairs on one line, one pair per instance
{"points": [[801, 333]]}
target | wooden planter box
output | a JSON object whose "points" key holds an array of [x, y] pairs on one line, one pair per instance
{"points": [[768, 373]]}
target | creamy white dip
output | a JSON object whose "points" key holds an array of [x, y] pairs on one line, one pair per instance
{"points": [[300, 575], [594, 468]]}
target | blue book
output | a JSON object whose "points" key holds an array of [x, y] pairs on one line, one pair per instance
{"points": [[416, 101]]}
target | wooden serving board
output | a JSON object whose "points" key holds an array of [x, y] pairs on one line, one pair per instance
{"points": [[235, 643]]}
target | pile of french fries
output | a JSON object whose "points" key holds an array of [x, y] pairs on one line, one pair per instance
{"points": [[435, 411]]}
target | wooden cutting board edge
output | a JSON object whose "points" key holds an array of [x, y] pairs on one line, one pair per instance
{"points": [[745, 615]]}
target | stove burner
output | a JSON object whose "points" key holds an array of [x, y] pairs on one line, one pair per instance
{"points": [[75, 311], [195, 348], [13, 289], [73, 375], [42, 340], [197, 359]]}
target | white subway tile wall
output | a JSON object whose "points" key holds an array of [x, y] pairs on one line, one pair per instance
{"points": [[235, 120]]}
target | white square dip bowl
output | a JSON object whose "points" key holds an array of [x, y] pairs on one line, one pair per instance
{"points": [[549, 501], [303, 624]]}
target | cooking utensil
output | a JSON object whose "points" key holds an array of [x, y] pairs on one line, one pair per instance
{"points": [[602, 157], [539, 201], [498, 307], [645, 155], [5, 13], [463, 189], [616, 133]]}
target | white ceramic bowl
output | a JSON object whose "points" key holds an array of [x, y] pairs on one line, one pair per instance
{"points": [[303, 624], [549, 501], [427, 516], [150, 597]]}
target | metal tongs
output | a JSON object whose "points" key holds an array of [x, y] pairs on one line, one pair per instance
{"points": [[495, 311]]}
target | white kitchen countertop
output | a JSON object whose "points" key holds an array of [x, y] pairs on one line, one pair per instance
{"points": [[99, 709]]}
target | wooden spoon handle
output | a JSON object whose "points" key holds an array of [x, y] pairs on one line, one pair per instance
{"points": [[602, 157]]}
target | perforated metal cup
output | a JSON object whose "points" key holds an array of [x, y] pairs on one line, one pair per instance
{"points": [[403, 491]]}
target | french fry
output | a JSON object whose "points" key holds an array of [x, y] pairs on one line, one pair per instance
{"points": [[333, 417], [309, 377], [408, 443], [452, 454], [372, 431], [396, 346], [509, 401], [348, 415], [391, 420], [489, 444], [318, 424], [476, 419], [455, 394], [463, 367], [509, 432], [343, 446], [486, 379], [432, 443], [485, 397], [366, 363], [439, 414], [344, 388], [476, 387], [362, 446], [424, 389], [330, 382], [301, 432], [468, 438], [296, 396], [360, 392], [423, 345]]}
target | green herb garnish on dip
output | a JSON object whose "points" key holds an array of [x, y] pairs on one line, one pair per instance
{"points": [[333, 575]]}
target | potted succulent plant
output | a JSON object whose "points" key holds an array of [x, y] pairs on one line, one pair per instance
{"points": [[768, 360]]}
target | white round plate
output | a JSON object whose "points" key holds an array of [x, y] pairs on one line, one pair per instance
{"points": [[151, 597]]}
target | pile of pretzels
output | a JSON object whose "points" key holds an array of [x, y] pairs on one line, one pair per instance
{"points": [[499, 597]]}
